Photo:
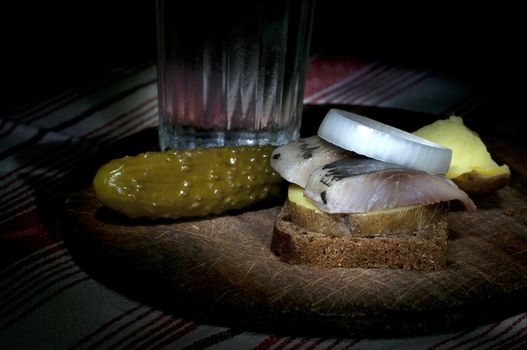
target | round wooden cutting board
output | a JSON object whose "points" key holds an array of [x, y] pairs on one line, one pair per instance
{"points": [[220, 270]]}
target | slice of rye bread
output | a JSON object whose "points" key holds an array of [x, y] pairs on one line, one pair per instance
{"points": [[425, 249]]}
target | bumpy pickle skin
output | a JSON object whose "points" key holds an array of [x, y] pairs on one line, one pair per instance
{"points": [[188, 183]]}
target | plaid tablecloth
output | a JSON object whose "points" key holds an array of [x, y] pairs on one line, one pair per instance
{"points": [[48, 302]]}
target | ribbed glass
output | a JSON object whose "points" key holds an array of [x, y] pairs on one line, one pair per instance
{"points": [[231, 73]]}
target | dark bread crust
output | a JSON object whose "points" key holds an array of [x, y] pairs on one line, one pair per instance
{"points": [[423, 250]]}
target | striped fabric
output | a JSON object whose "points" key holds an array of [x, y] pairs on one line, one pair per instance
{"points": [[48, 301]]}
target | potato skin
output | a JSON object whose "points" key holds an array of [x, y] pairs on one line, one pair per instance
{"points": [[474, 182], [401, 221]]}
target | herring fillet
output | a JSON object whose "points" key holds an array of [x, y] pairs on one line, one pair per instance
{"points": [[363, 185], [296, 160]]}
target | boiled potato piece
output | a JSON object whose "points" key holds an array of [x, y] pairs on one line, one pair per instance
{"points": [[397, 221], [472, 167]]}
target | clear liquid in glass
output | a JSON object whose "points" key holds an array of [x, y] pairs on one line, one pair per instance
{"points": [[231, 73]]}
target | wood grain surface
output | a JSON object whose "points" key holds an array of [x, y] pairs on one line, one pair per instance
{"points": [[220, 270]]}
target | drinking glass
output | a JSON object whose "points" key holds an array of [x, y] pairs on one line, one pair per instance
{"points": [[231, 73]]}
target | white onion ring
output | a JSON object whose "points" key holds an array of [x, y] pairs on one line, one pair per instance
{"points": [[383, 142]]}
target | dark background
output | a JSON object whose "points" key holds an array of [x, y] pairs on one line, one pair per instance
{"points": [[46, 46]]}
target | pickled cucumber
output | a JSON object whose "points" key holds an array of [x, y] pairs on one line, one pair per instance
{"points": [[187, 183]]}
